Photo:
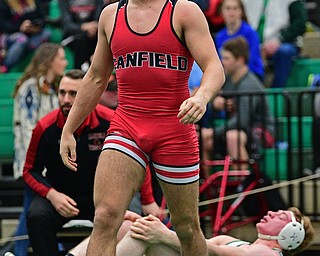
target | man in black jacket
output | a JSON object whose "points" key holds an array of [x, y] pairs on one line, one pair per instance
{"points": [[61, 194]]}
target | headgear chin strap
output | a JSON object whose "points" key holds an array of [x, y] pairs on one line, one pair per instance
{"points": [[290, 237]]}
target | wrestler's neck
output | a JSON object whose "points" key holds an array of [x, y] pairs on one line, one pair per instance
{"points": [[269, 243]]}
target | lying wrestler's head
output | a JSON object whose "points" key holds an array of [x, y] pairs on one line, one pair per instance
{"points": [[290, 228]]}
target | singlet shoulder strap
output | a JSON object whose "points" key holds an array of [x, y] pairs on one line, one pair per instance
{"points": [[278, 251], [173, 2], [237, 243], [122, 3]]}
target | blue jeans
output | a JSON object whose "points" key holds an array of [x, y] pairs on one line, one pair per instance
{"points": [[21, 247], [282, 61], [18, 43]]}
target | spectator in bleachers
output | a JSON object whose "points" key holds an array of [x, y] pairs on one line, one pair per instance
{"points": [[21, 30], [46, 7], [280, 25], [235, 20], [80, 26], [214, 16], [61, 194], [110, 96], [195, 78], [244, 114], [35, 95]]}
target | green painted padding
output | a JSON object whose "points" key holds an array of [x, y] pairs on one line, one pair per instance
{"points": [[56, 34], [6, 142], [19, 67], [69, 57], [54, 9], [303, 101], [306, 122], [274, 163], [301, 70], [6, 112], [276, 101], [7, 84]]}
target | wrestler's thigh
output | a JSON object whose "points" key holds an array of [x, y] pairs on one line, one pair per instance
{"points": [[118, 177], [182, 200]]}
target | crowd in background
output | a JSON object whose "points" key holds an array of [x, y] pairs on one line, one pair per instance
{"points": [[273, 29]]}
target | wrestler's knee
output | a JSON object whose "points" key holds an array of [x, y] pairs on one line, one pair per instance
{"points": [[186, 227], [107, 218]]}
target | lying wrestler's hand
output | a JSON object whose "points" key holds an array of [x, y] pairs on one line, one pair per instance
{"points": [[149, 229], [68, 151], [132, 216], [191, 110]]}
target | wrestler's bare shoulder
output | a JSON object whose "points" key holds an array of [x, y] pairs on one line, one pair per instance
{"points": [[187, 12], [186, 7], [107, 17]]}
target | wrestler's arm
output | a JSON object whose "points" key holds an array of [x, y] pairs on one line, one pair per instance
{"points": [[91, 87], [192, 27]]}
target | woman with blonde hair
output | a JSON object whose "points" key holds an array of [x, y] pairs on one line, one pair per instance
{"points": [[35, 95]]}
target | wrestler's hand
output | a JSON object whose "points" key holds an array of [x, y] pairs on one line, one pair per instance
{"points": [[68, 151], [63, 204], [149, 229], [191, 110]]}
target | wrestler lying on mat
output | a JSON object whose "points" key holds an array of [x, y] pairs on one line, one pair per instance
{"points": [[279, 233]]}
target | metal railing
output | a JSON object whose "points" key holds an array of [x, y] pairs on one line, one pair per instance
{"points": [[294, 154]]}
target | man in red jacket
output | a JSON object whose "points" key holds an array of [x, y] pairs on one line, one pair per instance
{"points": [[61, 194]]}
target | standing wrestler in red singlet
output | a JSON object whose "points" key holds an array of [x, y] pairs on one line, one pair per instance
{"points": [[151, 45]]}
